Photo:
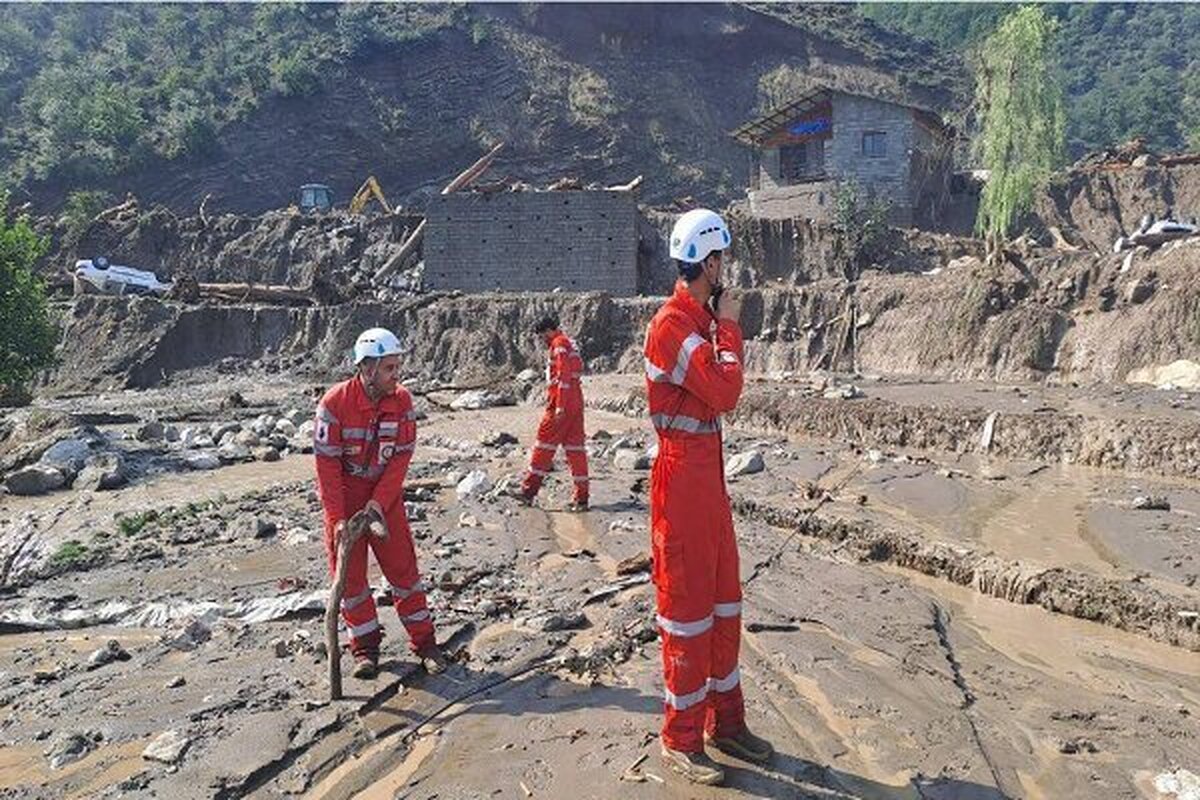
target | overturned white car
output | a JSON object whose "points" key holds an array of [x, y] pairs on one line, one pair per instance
{"points": [[97, 276]]}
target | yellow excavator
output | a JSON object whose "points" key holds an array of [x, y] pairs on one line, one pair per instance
{"points": [[368, 191]]}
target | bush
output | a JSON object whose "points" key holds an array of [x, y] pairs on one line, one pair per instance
{"points": [[861, 222], [81, 208], [27, 333]]}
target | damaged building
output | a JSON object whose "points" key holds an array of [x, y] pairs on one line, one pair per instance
{"points": [[803, 152]]}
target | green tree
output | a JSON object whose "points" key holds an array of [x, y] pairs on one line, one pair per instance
{"points": [[1022, 123], [27, 333]]}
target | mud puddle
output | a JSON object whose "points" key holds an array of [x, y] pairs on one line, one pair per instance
{"points": [[1095, 657]]}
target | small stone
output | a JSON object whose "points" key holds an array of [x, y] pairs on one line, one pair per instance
{"points": [[151, 431], [190, 636], [111, 652], [68, 456], [34, 480], [267, 454], [468, 520], [167, 747], [1077, 744], [222, 429], [630, 459], [747, 463], [264, 424], [103, 473], [556, 621], [281, 648], [497, 439], [247, 438], [297, 417], [487, 608], [252, 526], [1151, 503], [285, 427], [875, 456], [67, 748], [232, 453], [479, 399], [296, 537], [171, 433], [175, 682], [201, 461], [475, 483]]}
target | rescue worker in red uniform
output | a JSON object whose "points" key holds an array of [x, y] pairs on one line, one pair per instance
{"points": [[693, 375], [363, 442], [562, 421]]}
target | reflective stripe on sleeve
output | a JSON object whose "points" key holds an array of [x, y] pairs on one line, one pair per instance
{"points": [[678, 422]]}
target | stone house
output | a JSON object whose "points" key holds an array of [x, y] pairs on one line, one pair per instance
{"points": [[803, 151]]}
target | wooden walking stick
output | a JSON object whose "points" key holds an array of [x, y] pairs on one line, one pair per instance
{"points": [[363, 522]]}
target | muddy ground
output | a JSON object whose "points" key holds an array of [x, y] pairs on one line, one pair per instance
{"points": [[925, 618]]}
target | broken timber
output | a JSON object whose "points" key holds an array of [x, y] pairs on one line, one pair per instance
{"points": [[465, 178]]}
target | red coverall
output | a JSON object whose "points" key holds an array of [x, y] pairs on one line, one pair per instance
{"points": [[689, 382], [362, 453], [565, 392]]}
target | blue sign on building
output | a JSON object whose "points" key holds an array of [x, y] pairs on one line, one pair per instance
{"points": [[809, 127]]}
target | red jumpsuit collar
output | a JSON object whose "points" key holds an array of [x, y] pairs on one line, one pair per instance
{"points": [[700, 314]]}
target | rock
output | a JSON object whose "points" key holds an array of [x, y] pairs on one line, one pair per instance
{"points": [[268, 454], [192, 634], [629, 459], [497, 439], [233, 453], [171, 433], [415, 512], [68, 456], [1077, 744], [201, 461], [175, 682], [103, 472], [233, 400], [298, 536], [488, 608], [474, 484], [222, 429], [306, 429], [1181, 784], [280, 647], [1140, 290], [849, 392], [1150, 503], [34, 480], [529, 376], [263, 424], [167, 747], [278, 441], [479, 399], [285, 427], [874, 456], [468, 520], [151, 431], [252, 526], [67, 748], [556, 621], [106, 655], [297, 417], [188, 437], [746, 463], [641, 562], [601, 436], [247, 438]]}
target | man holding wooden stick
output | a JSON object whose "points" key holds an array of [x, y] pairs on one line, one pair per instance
{"points": [[363, 442]]}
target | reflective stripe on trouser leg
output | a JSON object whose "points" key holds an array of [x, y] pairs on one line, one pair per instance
{"points": [[541, 460], [726, 709], [398, 562], [577, 453], [358, 603], [685, 688]]}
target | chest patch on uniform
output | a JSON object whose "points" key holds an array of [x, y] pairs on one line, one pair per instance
{"points": [[321, 433]]}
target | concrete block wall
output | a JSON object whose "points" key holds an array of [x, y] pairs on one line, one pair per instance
{"points": [[532, 241], [813, 201], [887, 175]]}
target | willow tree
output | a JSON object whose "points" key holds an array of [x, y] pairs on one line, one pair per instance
{"points": [[1022, 122]]}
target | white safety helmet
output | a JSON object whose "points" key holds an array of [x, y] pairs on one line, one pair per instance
{"points": [[375, 343], [696, 234]]}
